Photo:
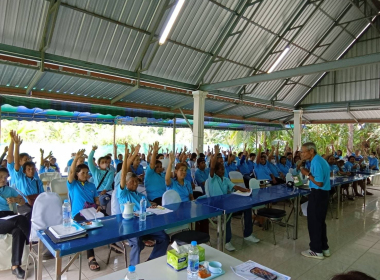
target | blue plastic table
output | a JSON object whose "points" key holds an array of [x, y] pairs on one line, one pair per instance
{"points": [[117, 229], [231, 203]]}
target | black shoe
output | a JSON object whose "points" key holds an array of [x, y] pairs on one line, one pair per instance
{"points": [[19, 272]]}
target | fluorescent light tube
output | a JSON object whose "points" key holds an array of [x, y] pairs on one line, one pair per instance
{"points": [[278, 60], [171, 21]]}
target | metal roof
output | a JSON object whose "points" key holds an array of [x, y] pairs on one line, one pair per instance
{"points": [[209, 43]]}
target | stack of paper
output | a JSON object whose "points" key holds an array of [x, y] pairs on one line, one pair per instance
{"points": [[91, 214], [159, 210], [60, 232], [254, 271]]}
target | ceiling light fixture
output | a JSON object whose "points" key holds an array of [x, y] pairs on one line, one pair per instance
{"points": [[279, 60], [171, 21]]}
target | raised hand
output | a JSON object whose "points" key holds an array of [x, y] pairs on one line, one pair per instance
{"points": [[42, 151], [137, 149], [80, 153], [171, 158], [5, 149], [217, 149], [94, 148], [156, 147], [17, 139]]}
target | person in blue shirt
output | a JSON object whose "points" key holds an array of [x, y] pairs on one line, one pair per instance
{"points": [[282, 167], [178, 183], [220, 185], [128, 186], [137, 169], [82, 192], [103, 176], [202, 173], [289, 160], [54, 164], [71, 160], [119, 158], [250, 162], [154, 180], [17, 226], [45, 163], [243, 167], [230, 164], [221, 161], [262, 170], [319, 183]]}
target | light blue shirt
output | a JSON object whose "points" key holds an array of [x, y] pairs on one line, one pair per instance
{"points": [[26, 185], [139, 170], [350, 166], [262, 172], [320, 170], [229, 168], [6, 192], [98, 175], [11, 170], [117, 161], [125, 196], [373, 162], [284, 169], [201, 175], [184, 190], [334, 168], [250, 165], [70, 162], [243, 167], [79, 194], [43, 169], [154, 183], [273, 169], [219, 186]]}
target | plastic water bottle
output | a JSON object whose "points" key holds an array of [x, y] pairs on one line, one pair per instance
{"points": [[142, 214], [193, 261], [131, 273], [66, 213]]}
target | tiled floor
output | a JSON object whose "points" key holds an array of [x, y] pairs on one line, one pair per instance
{"points": [[354, 242]]}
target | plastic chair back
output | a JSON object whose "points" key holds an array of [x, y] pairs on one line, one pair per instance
{"points": [[254, 184], [47, 211], [207, 188], [170, 197], [59, 186], [49, 176], [289, 177], [237, 178], [291, 170], [115, 206]]}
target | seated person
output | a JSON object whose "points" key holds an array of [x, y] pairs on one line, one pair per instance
{"points": [[220, 185], [128, 186], [351, 165], [138, 169], [289, 160], [118, 158], [54, 164], [110, 164], [155, 178], [250, 162], [71, 160], [26, 182], [143, 160], [243, 167], [178, 183], [103, 176], [261, 169], [45, 163], [282, 167], [220, 159], [193, 160], [343, 172], [18, 226], [80, 192], [373, 162], [230, 164], [2, 161], [202, 173]]}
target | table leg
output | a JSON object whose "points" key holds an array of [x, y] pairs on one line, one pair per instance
{"points": [[219, 233], [58, 268], [339, 199], [365, 191], [80, 265], [39, 260], [224, 231], [296, 213]]}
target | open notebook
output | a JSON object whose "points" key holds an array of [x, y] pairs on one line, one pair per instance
{"points": [[243, 193], [90, 213]]}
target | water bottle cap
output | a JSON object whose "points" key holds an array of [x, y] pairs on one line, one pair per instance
{"points": [[65, 200], [194, 243], [131, 268]]}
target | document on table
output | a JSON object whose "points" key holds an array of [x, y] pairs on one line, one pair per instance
{"points": [[159, 210], [248, 269], [8, 217], [243, 193], [89, 213]]}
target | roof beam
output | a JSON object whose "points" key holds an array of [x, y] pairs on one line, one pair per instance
{"points": [[279, 118], [256, 114], [125, 93], [187, 121], [369, 103], [299, 71], [180, 105], [37, 77], [363, 13], [225, 108]]}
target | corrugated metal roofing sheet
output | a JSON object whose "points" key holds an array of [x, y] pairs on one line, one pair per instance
{"points": [[328, 116], [368, 114], [15, 76]]}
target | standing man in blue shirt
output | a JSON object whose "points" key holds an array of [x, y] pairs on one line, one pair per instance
{"points": [[319, 183]]}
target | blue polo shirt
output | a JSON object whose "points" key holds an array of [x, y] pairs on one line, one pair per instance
{"points": [[11, 170], [43, 169], [337, 157], [79, 194], [219, 186], [154, 183], [98, 174], [6, 192], [70, 162], [262, 172], [26, 185], [249, 165], [273, 169], [320, 170], [243, 167], [229, 168], [373, 162], [125, 196], [188, 175], [289, 163], [117, 161], [201, 175], [334, 168], [284, 169], [350, 166], [357, 158], [139, 170], [183, 190]]}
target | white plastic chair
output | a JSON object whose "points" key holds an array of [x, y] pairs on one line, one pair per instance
{"points": [[47, 211], [49, 176], [289, 177], [115, 206], [254, 184], [291, 170], [237, 178], [207, 191], [59, 186], [171, 197]]}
